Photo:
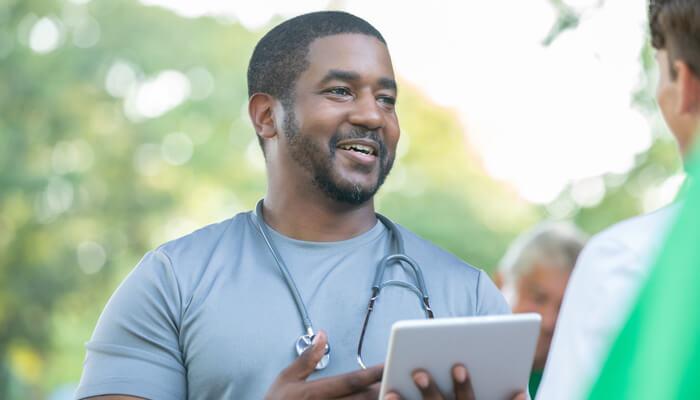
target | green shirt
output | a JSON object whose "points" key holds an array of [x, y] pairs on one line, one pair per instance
{"points": [[535, 378]]}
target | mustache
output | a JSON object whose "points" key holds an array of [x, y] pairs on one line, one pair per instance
{"points": [[358, 133]]}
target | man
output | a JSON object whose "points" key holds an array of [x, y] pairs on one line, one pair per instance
{"points": [[216, 314], [533, 275], [615, 263]]}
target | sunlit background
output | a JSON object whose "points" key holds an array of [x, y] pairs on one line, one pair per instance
{"points": [[124, 124]]}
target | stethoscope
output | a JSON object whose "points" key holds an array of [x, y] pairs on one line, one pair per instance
{"points": [[304, 341]]}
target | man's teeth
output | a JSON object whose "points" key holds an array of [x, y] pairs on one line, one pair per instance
{"points": [[358, 147]]}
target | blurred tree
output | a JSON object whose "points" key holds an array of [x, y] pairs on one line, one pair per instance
{"points": [[86, 180], [567, 18]]}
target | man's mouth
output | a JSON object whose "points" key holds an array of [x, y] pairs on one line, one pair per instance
{"points": [[360, 148]]}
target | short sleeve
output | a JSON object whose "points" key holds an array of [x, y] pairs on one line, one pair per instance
{"points": [[134, 349], [489, 299]]}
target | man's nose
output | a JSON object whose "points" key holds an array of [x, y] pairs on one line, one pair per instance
{"points": [[367, 113]]}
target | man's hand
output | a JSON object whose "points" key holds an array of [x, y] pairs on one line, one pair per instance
{"points": [[461, 383], [291, 382]]}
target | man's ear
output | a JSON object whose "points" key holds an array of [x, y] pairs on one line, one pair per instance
{"points": [[689, 88], [261, 112]]}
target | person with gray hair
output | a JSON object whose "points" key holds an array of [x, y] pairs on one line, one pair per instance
{"points": [[533, 276]]}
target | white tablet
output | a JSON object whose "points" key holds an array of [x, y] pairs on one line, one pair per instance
{"points": [[498, 351]]}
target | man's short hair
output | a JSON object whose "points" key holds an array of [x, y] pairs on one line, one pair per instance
{"points": [[675, 27], [281, 55]]}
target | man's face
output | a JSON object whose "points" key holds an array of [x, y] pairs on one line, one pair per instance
{"points": [[341, 128], [541, 291]]}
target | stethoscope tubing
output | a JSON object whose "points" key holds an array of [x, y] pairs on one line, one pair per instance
{"points": [[301, 307], [400, 256]]}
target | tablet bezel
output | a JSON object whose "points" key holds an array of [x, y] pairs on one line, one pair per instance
{"points": [[497, 349]]}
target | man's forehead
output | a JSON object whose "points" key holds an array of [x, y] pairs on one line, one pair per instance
{"points": [[346, 39], [351, 52]]}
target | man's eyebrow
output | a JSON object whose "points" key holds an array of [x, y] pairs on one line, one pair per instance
{"points": [[340, 75], [349, 76], [387, 83]]}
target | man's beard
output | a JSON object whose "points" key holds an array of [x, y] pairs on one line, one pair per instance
{"points": [[309, 156]]}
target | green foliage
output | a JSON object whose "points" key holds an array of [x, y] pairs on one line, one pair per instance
{"points": [[567, 19]]}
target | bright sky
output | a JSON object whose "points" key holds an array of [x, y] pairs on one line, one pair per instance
{"points": [[540, 117]]}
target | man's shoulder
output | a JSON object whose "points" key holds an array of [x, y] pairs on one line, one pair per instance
{"points": [[440, 265], [642, 234], [622, 253], [206, 237], [202, 253], [443, 260]]}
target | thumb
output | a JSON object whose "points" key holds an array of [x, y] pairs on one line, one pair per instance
{"points": [[305, 364]]}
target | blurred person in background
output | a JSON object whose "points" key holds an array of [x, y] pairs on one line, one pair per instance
{"points": [[533, 275], [217, 313], [615, 264]]}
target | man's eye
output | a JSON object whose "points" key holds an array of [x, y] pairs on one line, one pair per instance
{"points": [[387, 100], [339, 91]]}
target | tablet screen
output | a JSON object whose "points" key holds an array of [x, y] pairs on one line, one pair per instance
{"points": [[498, 351]]}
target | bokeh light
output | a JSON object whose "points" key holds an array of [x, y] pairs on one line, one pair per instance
{"points": [[45, 35], [91, 257], [157, 95], [177, 148]]}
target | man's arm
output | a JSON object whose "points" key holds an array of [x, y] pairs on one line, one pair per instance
{"points": [[134, 349], [291, 382]]}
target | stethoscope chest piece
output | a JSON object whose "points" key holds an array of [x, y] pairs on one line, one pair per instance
{"points": [[304, 342]]}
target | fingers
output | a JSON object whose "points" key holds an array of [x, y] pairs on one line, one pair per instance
{"points": [[343, 385], [519, 396], [462, 386], [426, 385], [371, 393], [462, 383], [291, 382], [305, 364], [392, 396]]}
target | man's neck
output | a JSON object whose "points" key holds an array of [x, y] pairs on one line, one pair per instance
{"points": [[316, 217]]}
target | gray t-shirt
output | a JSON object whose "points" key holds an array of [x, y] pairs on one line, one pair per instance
{"points": [[208, 316]]}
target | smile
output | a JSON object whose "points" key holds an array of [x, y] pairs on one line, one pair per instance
{"points": [[359, 148]]}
